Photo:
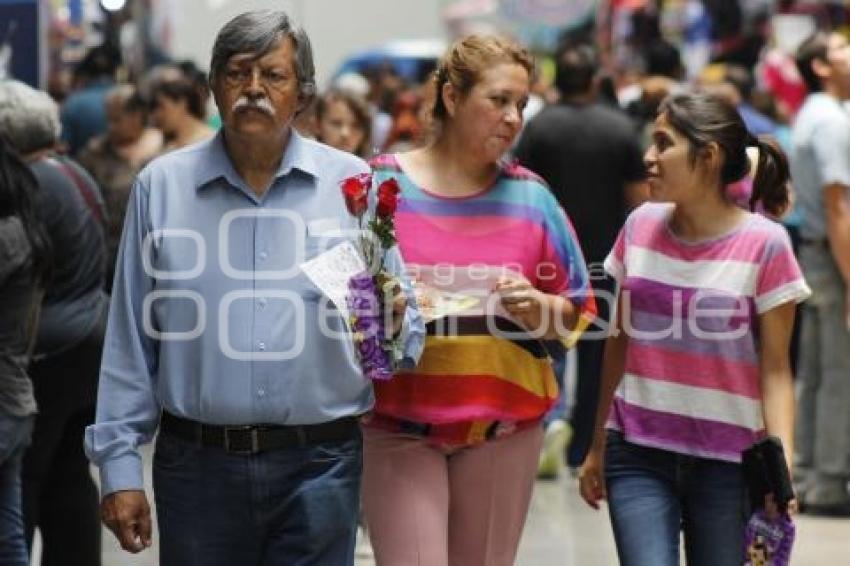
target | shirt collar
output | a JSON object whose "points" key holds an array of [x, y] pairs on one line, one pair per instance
{"points": [[297, 155]]}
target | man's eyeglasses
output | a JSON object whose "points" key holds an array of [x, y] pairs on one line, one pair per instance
{"points": [[271, 78]]}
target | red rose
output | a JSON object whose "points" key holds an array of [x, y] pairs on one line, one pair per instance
{"points": [[355, 190], [389, 186], [388, 193]]}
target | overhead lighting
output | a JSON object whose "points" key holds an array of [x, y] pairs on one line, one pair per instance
{"points": [[113, 5]]}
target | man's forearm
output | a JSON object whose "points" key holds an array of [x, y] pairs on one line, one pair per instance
{"points": [[838, 231], [838, 225]]}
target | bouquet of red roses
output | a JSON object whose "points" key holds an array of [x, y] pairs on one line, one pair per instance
{"points": [[370, 290]]}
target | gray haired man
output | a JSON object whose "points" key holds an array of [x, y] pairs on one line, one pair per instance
{"points": [[218, 337]]}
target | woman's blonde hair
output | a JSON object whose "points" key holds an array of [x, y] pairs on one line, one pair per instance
{"points": [[467, 59]]}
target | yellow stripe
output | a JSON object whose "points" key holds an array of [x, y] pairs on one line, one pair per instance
{"points": [[476, 355], [478, 431], [584, 320]]}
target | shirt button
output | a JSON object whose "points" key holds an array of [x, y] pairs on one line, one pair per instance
{"points": [[263, 255], [262, 302], [261, 392], [261, 346]]}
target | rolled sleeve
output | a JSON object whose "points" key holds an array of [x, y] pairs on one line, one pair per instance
{"points": [[127, 408]]}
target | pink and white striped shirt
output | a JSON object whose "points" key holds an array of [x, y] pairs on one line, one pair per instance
{"points": [[692, 382]]}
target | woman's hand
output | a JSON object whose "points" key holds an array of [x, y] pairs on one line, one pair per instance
{"points": [[591, 477], [522, 301], [771, 509]]}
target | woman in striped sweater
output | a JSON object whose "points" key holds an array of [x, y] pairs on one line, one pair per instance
{"points": [[450, 452]]}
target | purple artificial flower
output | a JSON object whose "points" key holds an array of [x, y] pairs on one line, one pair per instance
{"points": [[362, 281], [367, 322], [368, 349], [383, 373], [361, 304]]}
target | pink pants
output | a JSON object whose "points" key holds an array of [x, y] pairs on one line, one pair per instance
{"points": [[430, 507]]}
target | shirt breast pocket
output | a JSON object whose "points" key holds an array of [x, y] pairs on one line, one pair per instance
{"points": [[324, 234]]}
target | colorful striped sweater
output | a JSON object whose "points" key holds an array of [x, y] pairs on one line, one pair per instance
{"points": [[692, 381], [473, 382]]}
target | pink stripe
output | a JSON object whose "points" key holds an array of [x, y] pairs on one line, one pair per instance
{"points": [[781, 270], [485, 226], [467, 240], [689, 435], [650, 231], [695, 370], [748, 248]]}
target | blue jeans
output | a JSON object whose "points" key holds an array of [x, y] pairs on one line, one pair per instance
{"points": [[14, 438], [293, 506], [654, 494]]}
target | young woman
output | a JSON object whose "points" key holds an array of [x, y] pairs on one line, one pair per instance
{"points": [[344, 121], [451, 450], [697, 368], [24, 261], [178, 109]]}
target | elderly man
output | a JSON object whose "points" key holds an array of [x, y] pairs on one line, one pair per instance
{"points": [[55, 477], [214, 327]]}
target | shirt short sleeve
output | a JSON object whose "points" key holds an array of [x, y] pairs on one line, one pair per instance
{"points": [[780, 279], [614, 264], [832, 151]]}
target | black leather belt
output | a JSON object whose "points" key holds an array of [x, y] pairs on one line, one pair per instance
{"points": [[251, 439]]}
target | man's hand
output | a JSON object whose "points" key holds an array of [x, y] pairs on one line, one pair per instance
{"points": [[397, 302], [128, 516]]}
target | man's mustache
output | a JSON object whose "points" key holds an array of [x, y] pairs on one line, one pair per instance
{"points": [[261, 104]]}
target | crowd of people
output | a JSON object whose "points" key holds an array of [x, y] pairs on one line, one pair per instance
{"points": [[671, 233]]}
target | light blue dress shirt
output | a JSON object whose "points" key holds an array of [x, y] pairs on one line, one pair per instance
{"points": [[211, 317]]}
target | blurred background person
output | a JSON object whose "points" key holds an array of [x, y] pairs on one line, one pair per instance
{"points": [[820, 163], [59, 495], [115, 157], [178, 109], [343, 121], [384, 86], [590, 156], [25, 259], [84, 110], [406, 131]]}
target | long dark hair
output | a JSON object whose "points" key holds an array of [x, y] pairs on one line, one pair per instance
{"points": [[18, 190], [704, 118]]}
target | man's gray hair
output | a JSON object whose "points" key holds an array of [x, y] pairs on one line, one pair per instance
{"points": [[29, 118], [258, 33]]}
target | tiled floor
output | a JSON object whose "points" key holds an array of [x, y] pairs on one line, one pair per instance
{"points": [[562, 531]]}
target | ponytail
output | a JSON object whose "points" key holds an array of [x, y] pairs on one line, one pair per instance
{"points": [[770, 185]]}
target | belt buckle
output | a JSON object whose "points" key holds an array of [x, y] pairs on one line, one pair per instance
{"points": [[255, 439]]}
